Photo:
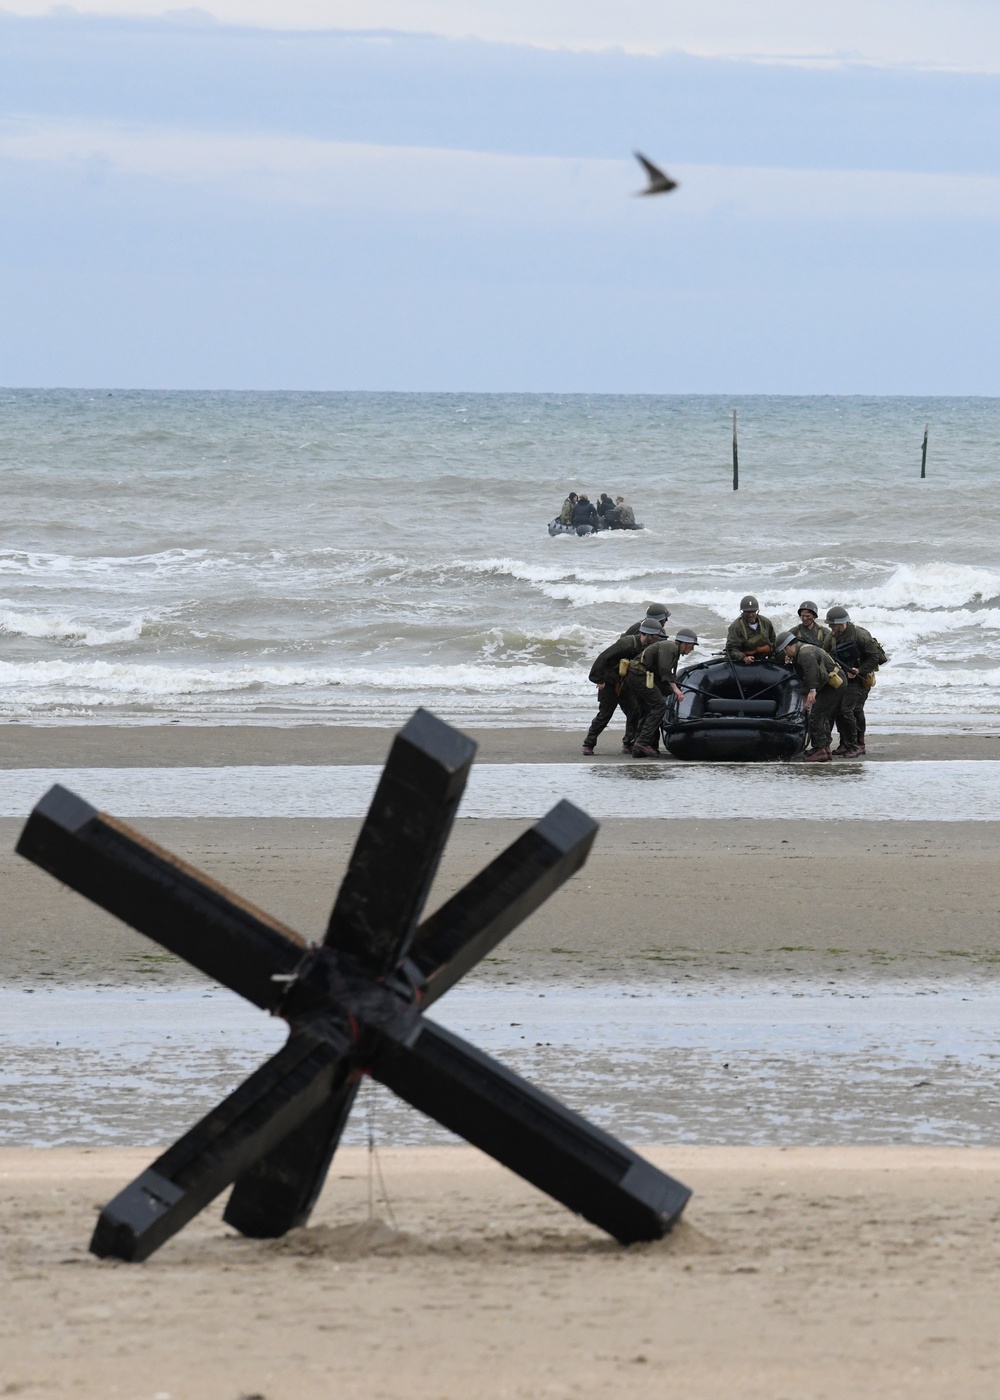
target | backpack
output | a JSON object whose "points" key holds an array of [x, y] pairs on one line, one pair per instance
{"points": [[882, 658]]}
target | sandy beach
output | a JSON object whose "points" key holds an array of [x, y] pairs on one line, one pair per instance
{"points": [[799, 1274]]}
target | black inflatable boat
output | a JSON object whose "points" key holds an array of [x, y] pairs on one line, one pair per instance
{"points": [[556, 527], [736, 713]]}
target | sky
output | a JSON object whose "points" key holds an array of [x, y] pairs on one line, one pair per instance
{"points": [[392, 194]]}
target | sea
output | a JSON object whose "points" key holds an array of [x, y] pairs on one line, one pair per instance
{"points": [[339, 558]]}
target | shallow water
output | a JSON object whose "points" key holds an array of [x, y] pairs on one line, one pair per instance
{"points": [[958, 790], [795, 1063], [344, 557]]}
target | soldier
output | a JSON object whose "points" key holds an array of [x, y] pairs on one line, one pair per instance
{"points": [[566, 514], [860, 656], [659, 612], [611, 691], [811, 631], [751, 637], [648, 676], [823, 679]]}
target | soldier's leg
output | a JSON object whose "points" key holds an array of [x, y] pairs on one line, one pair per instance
{"points": [[607, 703], [862, 723], [821, 717], [633, 715], [853, 694], [649, 729]]}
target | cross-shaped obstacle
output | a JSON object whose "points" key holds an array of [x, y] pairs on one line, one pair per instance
{"points": [[355, 1005]]}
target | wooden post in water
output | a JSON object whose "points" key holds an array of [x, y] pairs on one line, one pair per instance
{"points": [[736, 457], [923, 454]]}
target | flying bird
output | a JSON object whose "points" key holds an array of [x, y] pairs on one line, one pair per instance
{"points": [[659, 181]]}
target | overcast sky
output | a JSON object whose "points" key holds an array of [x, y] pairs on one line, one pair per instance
{"points": [[443, 199]]}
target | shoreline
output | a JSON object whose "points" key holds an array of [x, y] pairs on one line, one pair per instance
{"points": [[814, 1272]]}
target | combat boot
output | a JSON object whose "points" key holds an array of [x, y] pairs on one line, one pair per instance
{"points": [[818, 756], [588, 749], [644, 751]]}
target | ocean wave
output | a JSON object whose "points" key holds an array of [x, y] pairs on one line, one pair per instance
{"points": [[62, 629], [110, 682]]}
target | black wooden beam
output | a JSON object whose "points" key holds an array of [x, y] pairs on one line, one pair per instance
{"points": [[471, 924], [532, 1134], [400, 844], [283, 1093], [278, 1193], [183, 910]]}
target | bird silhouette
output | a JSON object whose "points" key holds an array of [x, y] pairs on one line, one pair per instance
{"points": [[659, 181]]}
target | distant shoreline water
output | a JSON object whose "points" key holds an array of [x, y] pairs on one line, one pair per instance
{"points": [[278, 558]]}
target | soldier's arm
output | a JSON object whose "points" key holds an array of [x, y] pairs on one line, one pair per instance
{"points": [[599, 670], [869, 654], [734, 642]]}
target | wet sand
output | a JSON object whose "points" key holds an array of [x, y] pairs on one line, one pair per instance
{"points": [[798, 1273], [657, 899], [142, 746]]}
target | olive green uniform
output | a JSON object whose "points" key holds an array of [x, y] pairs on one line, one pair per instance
{"points": [[817, 635], [815, 667], [566, 514], [613, 694], [742, 639], [856, 650], [659, 660]]}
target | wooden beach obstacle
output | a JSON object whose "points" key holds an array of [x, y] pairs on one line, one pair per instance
{"points": [[355, 1005]]}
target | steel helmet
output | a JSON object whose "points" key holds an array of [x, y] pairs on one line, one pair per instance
{"points": [[838, 615], [749, 604], [684, 634], [658, 610], [784, 638], [807, 606], [649, 627]]}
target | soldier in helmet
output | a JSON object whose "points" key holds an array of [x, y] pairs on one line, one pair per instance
{"points": [[823, 681], [606, 674], [658, 612], [649, 675], [811, 631], [751, 637], [860, 656]]}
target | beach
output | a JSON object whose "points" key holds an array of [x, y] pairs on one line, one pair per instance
{"points": [[804, 1273]]}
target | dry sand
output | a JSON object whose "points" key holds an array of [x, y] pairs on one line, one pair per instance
{"points": [[797, 1274], [663, 899]]}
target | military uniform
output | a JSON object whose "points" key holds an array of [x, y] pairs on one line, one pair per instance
{"points": [[566, 514], [604, 672], [742, 638], [815, 667], [658, 660], [817, 635], [856, 650]]}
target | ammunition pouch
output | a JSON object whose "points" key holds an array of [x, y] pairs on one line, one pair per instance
{"points": [[623, 666], [867, 681]]}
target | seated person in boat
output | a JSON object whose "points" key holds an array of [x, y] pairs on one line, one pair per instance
{"points": [[624, 516], [751, 637], [605, 507], [566, 514], [584, 513]]}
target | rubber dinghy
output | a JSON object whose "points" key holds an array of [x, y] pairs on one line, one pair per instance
{"points": [[556, 527], [736, 714]]}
